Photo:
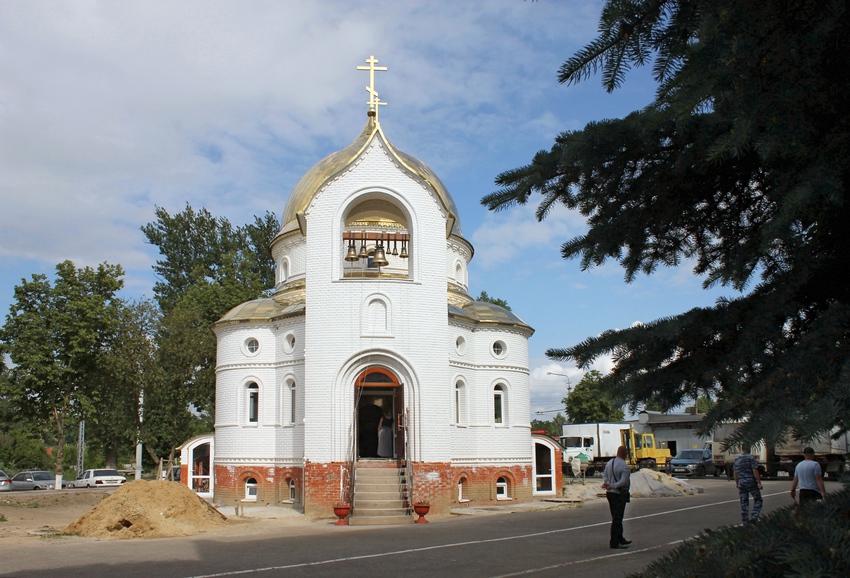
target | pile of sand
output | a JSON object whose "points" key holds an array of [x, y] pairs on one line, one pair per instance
{"points": [[644, 484], [142, 509]]}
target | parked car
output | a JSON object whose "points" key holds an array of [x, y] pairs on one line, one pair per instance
{"points": [[34, 480], [99, 479], [692, 463], [5, 482]]}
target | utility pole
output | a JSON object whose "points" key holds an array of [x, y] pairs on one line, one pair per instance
{"points": [[569, 390], [138, 472], [81, 448]]}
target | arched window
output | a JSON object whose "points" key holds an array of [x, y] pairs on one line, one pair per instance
{"points": [[459, 277], [502, 489], [251, 490], [460, 402], [253, 402], [461, 490], [291, 485], [499, 405], [292, 405]]}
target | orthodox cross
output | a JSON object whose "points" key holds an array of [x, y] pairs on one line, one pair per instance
{"points": [[374, 102]]}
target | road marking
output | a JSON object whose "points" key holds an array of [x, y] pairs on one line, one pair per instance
{"points": [[487, 541], [596, 559]]}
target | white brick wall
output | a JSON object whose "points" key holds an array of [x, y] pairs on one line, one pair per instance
{"points": [[334, 343]]}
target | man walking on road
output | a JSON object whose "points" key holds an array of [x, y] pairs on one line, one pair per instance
{"points": [[748, 480], [808, 475], [615, 482]]}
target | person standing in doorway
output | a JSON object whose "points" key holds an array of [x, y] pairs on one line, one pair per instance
{"points": [[615, 482], [748, 481], [385, 435], [809, 477]]}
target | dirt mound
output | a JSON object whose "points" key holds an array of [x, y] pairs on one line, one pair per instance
{"points": [[644, 484], [142, 509]]}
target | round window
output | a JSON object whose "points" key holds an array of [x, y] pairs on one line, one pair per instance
{"points": [[460, 345], [289, 343], [252, 346], [499, 349]]}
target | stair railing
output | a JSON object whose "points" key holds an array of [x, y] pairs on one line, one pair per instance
{"points": [[408, 458]]}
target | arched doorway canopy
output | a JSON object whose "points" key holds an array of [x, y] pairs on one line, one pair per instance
{"points": [[377, 377]]}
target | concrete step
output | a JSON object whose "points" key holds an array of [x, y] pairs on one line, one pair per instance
{"points": [[378, 474], [391, 520], [394, 495], [377, 486], [378, 504]]}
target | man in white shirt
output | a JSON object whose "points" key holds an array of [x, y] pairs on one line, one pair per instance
{"points": [[809, 477], [615, 482]]}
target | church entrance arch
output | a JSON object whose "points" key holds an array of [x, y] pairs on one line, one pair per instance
{"points": [[379, 399]]}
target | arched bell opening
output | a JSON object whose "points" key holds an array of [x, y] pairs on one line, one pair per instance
{"points": [[376, 238]]}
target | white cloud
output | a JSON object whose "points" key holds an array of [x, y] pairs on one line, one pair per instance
{"points": [[507, 234], [110, 108]]}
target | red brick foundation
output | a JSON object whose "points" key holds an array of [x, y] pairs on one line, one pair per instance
{"points": [[272, 485], [318, 485], [438, 483]]}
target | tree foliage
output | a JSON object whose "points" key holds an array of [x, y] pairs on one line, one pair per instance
{"points": [[129, 366], [589, 402], [56, 335], [740, 165], [494, 300], [553, 427], [208, 266]]}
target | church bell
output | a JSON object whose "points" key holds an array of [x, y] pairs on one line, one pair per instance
{"points": [[352, 254], [380, 259]]}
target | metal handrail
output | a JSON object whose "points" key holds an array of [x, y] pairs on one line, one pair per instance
{"points": [[408, 454], [347, 489]]}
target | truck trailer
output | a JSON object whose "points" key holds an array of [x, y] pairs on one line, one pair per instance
{"points": [[598, 442], [830, 453]]}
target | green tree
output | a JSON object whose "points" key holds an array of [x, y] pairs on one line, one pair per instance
{"points": [[740, 164], [495, 301], [589, 402], [553, 427], [55, 335], [208, 266], [702, 405], [128, 366]]}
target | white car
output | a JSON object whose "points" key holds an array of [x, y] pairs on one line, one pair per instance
{"points": [[99, 479]]}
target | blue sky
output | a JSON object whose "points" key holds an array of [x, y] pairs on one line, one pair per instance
{"points": [[108, 109]]}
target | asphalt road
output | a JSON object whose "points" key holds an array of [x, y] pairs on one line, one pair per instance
{"points": [[535, 543]]}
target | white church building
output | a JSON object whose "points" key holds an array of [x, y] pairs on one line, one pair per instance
{"points": [[370, 319]]}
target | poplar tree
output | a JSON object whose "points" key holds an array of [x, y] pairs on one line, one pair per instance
{"points": [[740, 165]]}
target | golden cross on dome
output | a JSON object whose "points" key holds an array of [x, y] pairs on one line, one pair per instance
{"points": [[374, 102]]}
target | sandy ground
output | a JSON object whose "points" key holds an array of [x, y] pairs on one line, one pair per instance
{"points": [[39, 515]]}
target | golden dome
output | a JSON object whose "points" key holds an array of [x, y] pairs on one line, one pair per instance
{"points": [[488, 313], [333, 164]]}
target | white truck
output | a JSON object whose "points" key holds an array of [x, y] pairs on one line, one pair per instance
{"points": [[597, 441]]}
